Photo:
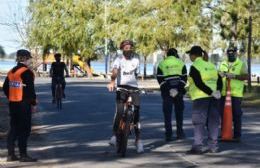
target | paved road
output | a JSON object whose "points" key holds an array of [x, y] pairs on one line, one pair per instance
{"points": [[77, 136]]}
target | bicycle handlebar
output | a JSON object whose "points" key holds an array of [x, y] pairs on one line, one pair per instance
{"points": [[141, 91]]}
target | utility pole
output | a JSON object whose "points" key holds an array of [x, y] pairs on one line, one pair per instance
{"points": [[249, 46], [106, 41]]}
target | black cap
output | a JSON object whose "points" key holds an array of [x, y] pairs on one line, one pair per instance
{"points": [[23, 53], [195, 50], [172, 52], [231, 50]]}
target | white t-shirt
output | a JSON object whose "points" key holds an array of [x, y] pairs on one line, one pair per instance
{"points": [[127, 70]]}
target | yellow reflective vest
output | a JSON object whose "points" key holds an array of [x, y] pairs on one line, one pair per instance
{"points": [[171, 66], [209, 76], [237, 86]]}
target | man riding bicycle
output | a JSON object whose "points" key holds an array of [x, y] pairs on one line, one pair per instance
{"points": [[57, 73], [125, 71]]}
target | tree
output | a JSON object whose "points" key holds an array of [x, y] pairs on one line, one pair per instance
{"points": [[233, 18], [2, 52], [157, 25]]}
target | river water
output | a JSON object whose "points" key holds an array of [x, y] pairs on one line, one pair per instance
{"points": [[99, 67]]}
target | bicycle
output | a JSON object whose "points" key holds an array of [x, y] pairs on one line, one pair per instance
{"points": [[126, 122], [58, 93]]}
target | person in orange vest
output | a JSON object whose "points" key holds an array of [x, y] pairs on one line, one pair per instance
{"points": [[19, 89]]}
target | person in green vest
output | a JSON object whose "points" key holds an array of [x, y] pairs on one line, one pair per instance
{"points": [[172, 77], [236, 70], [204, 88]]}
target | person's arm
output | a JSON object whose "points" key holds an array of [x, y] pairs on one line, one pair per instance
{"points": [[112, 84], [159, 76], [51, 70], [66, 69], [184, 77], [116, 66], [6, 87], [243, 74], [195, 75], [219, 83], [28, 80]]}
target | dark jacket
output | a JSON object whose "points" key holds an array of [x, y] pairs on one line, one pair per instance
{"points": [[195, 75]]}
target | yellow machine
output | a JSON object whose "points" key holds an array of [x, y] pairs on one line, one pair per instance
{"points": [[77, 62]]}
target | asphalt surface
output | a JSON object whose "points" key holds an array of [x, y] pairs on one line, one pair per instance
{"points": [[77, 136]]}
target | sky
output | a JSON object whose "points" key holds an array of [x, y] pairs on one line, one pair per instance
{"points": [[9, 37]]}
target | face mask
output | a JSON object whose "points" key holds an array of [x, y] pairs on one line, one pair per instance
{"points": [[128, 53], [57, 59], [27, 62], [231, 57]]}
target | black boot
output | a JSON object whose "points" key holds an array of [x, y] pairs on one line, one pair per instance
{"points": [[181, 135], [26, 158], [11, 158]]}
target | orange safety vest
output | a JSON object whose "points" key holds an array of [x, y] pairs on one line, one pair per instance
{"points": [[16, 85]]}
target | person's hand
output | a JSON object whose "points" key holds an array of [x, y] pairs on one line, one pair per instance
{"points": [[173, 92], [230, 76], [34, 108], [216, 94], [111, 86], [67, 76]]}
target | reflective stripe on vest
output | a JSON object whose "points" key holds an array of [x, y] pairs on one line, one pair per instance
{"points": [[237, 86], [16, 85], [171, 66], [209, 76]]}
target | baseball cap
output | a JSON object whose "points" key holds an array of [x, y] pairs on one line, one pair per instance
{"points": [[195, 50], [23, 53]]}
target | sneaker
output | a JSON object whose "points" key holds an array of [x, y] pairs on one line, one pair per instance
{"points": [[194, 151], [112, 141], [139, 147], [27, 159], [237, 139], [12, 158], [213, 150]]}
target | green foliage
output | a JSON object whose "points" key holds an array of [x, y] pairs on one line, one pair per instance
{"points": [[72, 26], [233, 17]]}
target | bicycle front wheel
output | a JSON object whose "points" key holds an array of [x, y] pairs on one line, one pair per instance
{"points": [[122, 137]]}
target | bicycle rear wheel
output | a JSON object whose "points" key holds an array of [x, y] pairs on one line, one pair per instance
{"points": [[59, 104], [59, 97]]}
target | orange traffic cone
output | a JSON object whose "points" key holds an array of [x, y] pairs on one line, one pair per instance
{"points": [[227, 121]]}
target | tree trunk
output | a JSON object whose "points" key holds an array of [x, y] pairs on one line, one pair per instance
{"points": [[145, 63], [249, 49]]}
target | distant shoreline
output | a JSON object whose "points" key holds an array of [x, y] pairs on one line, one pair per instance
{"points": [[7, 59]]}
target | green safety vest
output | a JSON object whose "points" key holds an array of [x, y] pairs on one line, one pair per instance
{"points": [[171, 66], [209, 76], [237, 86]]}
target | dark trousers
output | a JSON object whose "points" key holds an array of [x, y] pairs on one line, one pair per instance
{"points": [[121, 98], [54, 82], [205, 114], [168, 103], [236, 112], [20, 127]]}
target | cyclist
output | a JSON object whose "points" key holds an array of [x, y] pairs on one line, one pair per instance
{"points": [[57, 71], [125, 69]]}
